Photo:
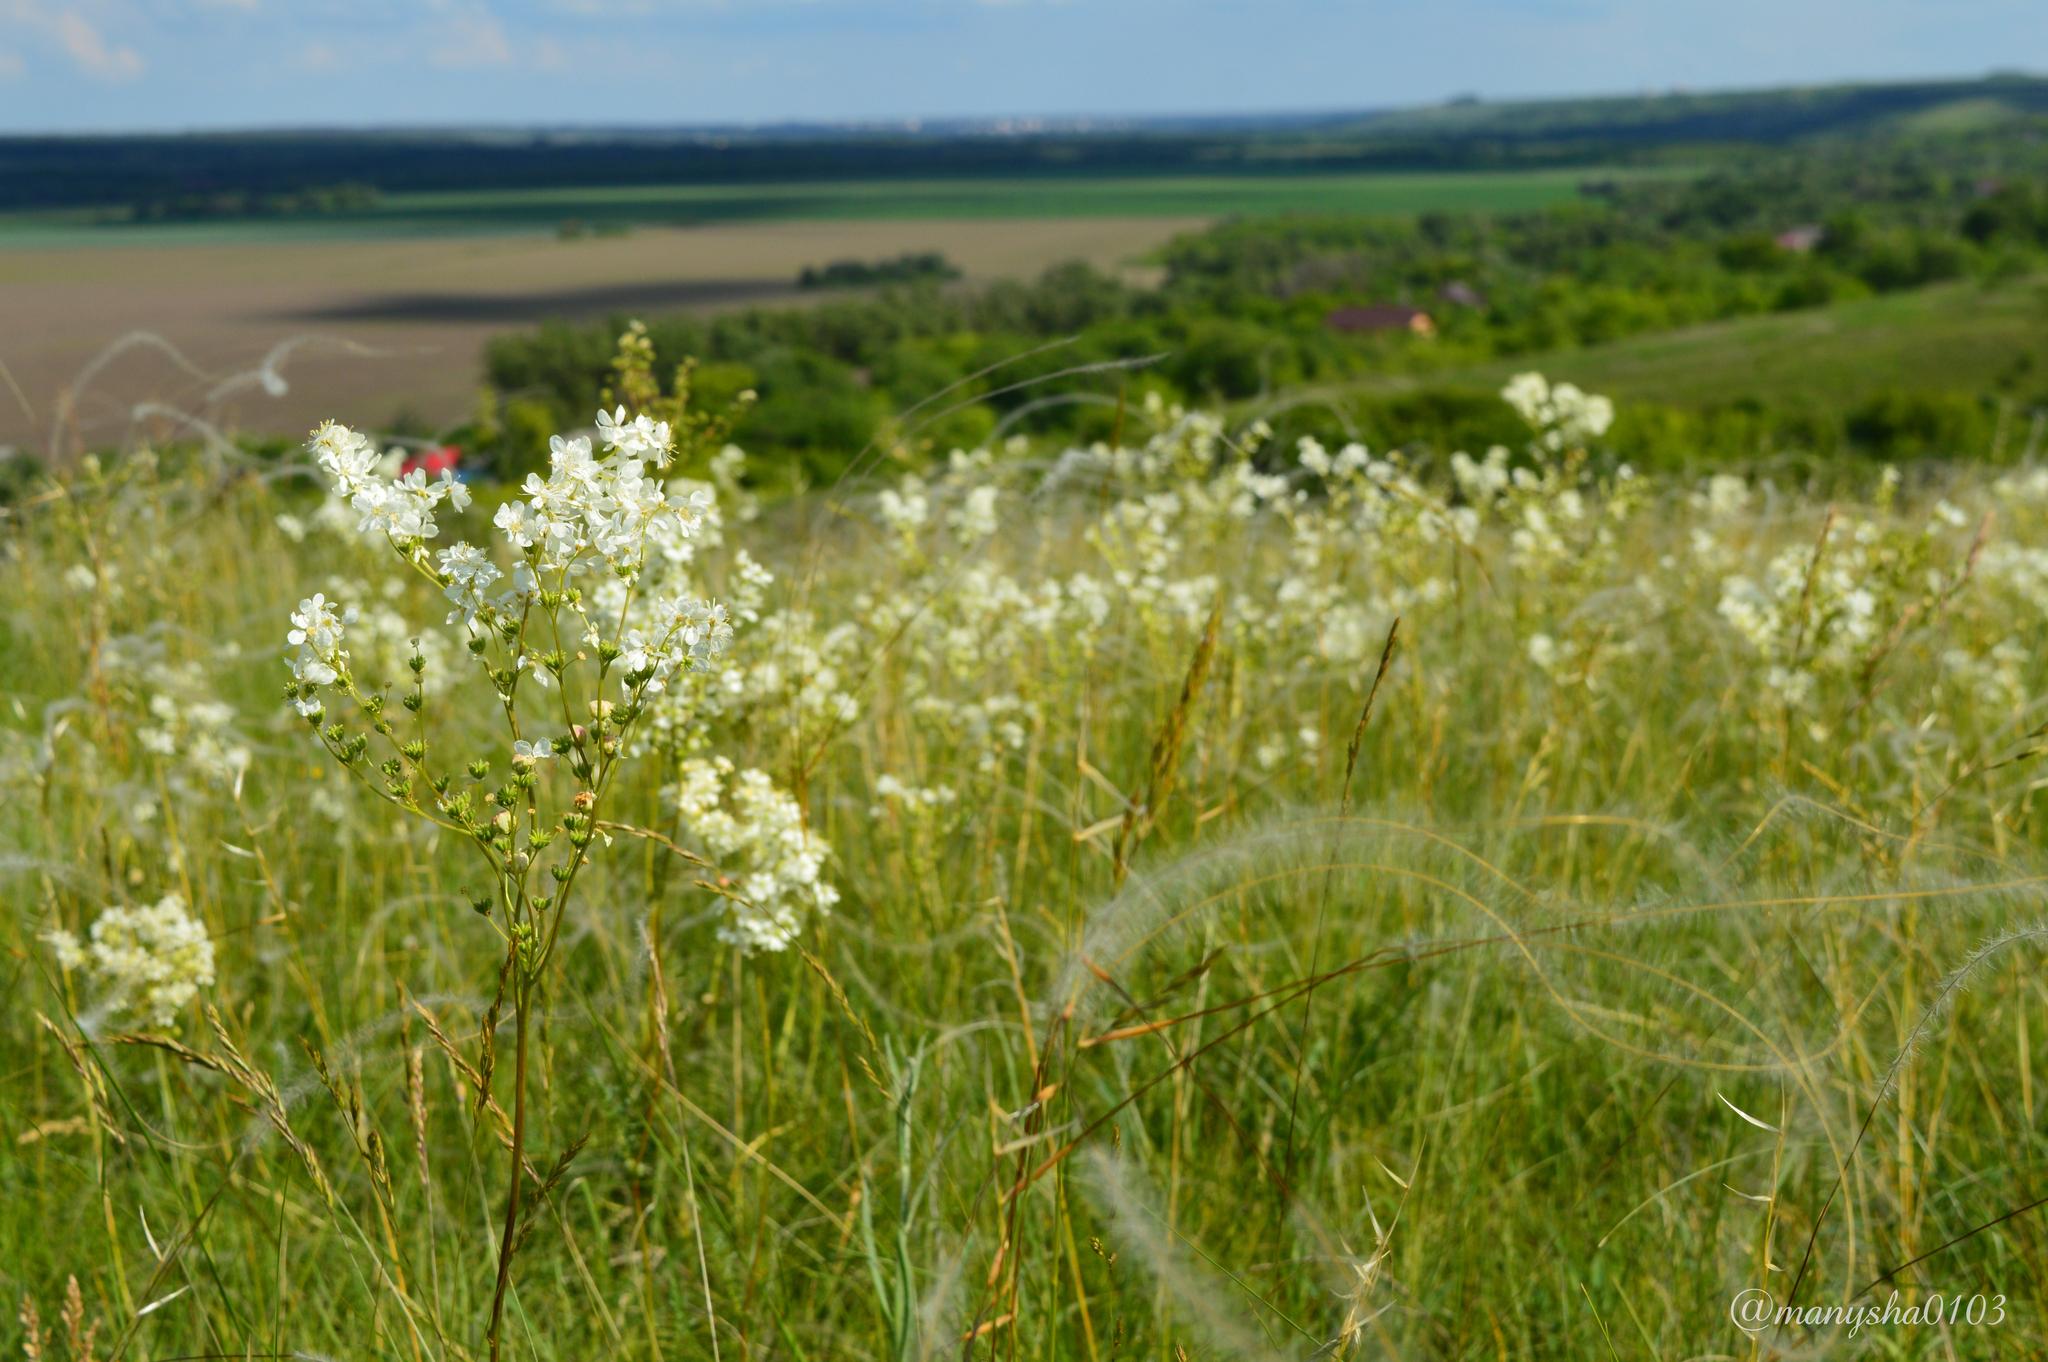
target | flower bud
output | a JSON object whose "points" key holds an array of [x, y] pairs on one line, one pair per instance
{"points": [[586, 800], [502, 824]]}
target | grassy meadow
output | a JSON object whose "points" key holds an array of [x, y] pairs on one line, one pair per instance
{"points": [[1948, 369], [1946, 336], [1290, 903]]}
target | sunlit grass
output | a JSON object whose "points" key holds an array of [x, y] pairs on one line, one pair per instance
{"points": [[1149, 1019]]}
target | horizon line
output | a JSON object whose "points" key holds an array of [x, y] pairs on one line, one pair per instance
{"points": [[1000, 125]]}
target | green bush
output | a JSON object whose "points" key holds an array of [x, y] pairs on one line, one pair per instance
{"points": [[1898, 425]]}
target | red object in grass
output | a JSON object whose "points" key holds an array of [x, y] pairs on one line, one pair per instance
{"points": [[434, 461]]}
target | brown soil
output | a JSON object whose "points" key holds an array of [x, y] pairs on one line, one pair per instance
{"points": [[373, 328]]}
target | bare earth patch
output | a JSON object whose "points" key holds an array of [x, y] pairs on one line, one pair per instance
{"points": [[395, 325]]}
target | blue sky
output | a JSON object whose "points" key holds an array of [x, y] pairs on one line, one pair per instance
{"points": [[172, 64]]}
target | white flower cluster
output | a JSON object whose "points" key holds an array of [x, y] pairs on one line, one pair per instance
{"points": [[598, 504], [1276, 747], [1820, 608], [1997, 679], [1562, 416], [2020, 569], [685, 633], [758, 833], [381, 642], [2027, 488], [793, 675], [1363, 538], [985, 732], [975, 518], [151, 960], [401, 508], [915, 801], [589, 507], [905, 508], [201, 731], [643, 437], [1724, 497], [84, 579], [316, 632]]}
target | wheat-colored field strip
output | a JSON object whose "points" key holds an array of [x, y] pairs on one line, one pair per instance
{"points": [[394, 325]]}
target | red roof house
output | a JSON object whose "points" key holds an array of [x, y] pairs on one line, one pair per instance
{"points": [[432, 460], [1381, 317]]}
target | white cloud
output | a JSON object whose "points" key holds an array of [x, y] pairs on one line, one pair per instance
{"points": [[90, 50], [75, 33], [469, 38]]}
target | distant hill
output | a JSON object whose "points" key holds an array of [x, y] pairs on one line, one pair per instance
{"points": [[1753, 117], [232, 174]]}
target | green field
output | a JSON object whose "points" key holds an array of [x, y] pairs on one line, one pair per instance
{"points": [[545, 209], [1961, 338], [1950, 337]]}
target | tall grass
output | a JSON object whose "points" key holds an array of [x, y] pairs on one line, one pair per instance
{"points": [[1167, 1011]]}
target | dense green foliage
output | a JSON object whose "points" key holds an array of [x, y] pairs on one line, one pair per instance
{"points": [[909, 268], [1242, 312], [236, 203]]}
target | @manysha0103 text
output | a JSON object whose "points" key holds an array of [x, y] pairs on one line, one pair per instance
{"points": [[1755, 1310]]}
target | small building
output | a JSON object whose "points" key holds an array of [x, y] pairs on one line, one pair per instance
{"points": [[433, 462], [1380, 317], [1463, 294], [1800, 240]]}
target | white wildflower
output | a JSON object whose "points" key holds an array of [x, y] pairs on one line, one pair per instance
{"points": [[316, 632], [470, 573], [640, 438], [1562, 416], [758, 836], [975, 519], [151, 960]]}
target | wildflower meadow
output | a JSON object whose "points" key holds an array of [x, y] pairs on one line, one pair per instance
{"points": [[1198, 895]]}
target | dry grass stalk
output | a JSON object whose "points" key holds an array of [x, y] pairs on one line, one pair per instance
{"points": [[1164, 767]]}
